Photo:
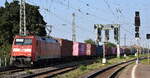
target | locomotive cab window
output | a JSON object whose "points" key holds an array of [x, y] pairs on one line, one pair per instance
{"points": [[23, 41]]}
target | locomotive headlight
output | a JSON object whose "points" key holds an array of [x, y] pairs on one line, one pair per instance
{"points": [[12, 58], [28, 59], [23, 50], [16, 49], [27, 50]]}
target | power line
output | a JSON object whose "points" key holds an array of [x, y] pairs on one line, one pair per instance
{"points": [[97, 17], [109, 7], [62, 19]]}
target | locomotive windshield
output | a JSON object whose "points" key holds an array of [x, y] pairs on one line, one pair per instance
{"points": [[23, 41]]}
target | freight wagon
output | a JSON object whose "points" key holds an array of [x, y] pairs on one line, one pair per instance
{"points": [[79, 49], [90, 50], [65, 47], [33, 50]]}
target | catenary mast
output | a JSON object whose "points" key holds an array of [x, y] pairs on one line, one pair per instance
{"points": [[22, 30]]}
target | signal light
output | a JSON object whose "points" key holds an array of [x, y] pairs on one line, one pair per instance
{"points": [[137, 35], [137, 21], [116, 34], [148, 36], [95, 26], [107, 34], [115, 31], [137, 13], [99, 38], [99, 31], [136, 29], [137, 18]]}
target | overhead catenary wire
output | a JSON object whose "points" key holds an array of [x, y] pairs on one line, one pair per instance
{"points": [[83, 13], [72, 8], [59, 17], [109, 7], [79, 27], [79, 15]]}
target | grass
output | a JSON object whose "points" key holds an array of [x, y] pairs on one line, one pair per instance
{"points": [[144, 55], [145, 61], [83, 69], [29, 72]]}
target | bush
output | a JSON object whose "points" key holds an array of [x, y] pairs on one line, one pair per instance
{"points": [[5, 54], [82, 67]]}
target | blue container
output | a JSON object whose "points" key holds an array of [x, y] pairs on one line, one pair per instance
{"points": [[99, 50]]}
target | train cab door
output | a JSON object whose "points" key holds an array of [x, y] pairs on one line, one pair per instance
{"points": [[43, 48], [38, 49]]}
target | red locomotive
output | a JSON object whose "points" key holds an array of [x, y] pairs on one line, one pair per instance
{"points": [[27, 50]]}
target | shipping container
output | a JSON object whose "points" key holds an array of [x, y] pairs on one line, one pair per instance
{"points": [[114, 50], [127, 51], [47, 48], [133, 50], [99, 50], [121, 51], [90, 50], [79, 49], [106, 51], [66, 47]]}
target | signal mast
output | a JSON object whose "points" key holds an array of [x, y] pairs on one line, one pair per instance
{"points": [[22, 30]]}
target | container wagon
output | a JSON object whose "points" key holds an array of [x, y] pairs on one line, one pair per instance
{"points": [[79, 49]]}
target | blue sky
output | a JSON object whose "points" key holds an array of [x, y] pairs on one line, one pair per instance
{"points": [[59, 14]]}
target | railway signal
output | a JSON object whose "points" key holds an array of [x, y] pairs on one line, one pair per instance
{"points": [[107, 35], [137, 24], [136, 28], [99, 31], [106, 28], [148, 37], [137, 18], [116, 34], [137, 34]]}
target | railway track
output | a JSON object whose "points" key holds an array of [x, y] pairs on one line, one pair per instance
{"points": [[52, 72], [2, 69], [109, 72], [4, 74], [49, 71], [116, 72], [11, 71]]}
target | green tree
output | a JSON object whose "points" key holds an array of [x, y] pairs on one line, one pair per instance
{"points": [[110, 44], [9, 21], [90, 41]]}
